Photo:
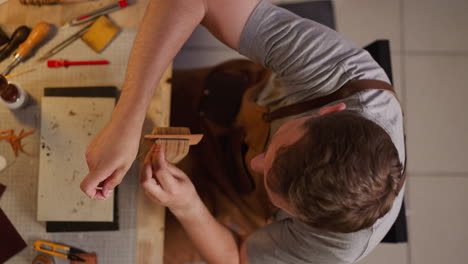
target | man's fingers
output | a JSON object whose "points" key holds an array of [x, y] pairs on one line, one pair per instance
{"points": [[111, 182], [146, 172], [158, 157], [176, 172], [161, 169], [154, 190], [89, 184], [149, 155]]}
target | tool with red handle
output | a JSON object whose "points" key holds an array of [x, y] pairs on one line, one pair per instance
{"points": [[56, 63]]}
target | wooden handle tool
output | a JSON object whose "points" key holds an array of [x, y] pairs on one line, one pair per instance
{"points": [[39, 33], [18, 37]]}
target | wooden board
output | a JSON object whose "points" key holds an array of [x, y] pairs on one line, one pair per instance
{"points": [[67, 126], [150, 216]]}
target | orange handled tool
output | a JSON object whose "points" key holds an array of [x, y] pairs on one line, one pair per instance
{"points": [[39, 33], [58, 250]]}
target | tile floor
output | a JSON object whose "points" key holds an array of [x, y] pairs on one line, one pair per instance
{"points": [[429, 42]]}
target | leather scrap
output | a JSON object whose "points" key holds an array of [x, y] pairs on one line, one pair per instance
{"points": [[11, 243], [90, 258]]}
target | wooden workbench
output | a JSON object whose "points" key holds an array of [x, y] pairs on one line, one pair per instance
{"points": [[142, 230], [12, 12]]}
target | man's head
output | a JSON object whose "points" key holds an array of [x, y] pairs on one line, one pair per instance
{"points": [[336, 171]]}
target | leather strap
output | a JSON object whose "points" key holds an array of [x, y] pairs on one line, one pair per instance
{"points": [[350, 88]]}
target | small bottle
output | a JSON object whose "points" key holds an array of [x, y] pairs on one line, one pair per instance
{"points": [[12, 95]]}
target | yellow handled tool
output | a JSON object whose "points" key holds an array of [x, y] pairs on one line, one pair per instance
{"points": [[58, 250], [39, 33]]}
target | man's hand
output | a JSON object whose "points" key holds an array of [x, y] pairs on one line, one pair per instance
{"points": [[109, 156], [168, 185]]}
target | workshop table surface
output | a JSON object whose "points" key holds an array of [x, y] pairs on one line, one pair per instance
{"points": [[144, 226]]}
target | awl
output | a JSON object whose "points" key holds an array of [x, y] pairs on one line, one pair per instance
{"points": [[40, 32], [97, 13], [65, 43]]}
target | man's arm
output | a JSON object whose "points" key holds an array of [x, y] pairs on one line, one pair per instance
{"points": [[169, 186], [166, 26]]}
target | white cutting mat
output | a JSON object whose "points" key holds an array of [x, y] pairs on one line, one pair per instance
{"points": [[68, 124]]}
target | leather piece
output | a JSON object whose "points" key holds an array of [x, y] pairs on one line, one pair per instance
{"points": [[90, 258], [11, 243], [347, 90]]}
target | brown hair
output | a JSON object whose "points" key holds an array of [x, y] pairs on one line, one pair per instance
{"points": [[341, 176]]}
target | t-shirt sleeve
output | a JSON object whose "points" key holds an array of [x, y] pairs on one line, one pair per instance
{"points": [[270, 245], [291, 241], [304, 54]]}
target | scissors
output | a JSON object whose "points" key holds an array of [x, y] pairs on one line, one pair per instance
{"points": [[59, 250]]}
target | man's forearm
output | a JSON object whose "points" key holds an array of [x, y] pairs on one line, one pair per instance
{"points": [[165, 27], [215, 243]]}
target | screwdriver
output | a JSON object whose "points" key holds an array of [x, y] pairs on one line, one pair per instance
{"points": [[40, 32]]}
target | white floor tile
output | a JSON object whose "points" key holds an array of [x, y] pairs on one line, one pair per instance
{"points": [[387, 254], [436, 113], [438, 217], [364, 21], [435, 25]]}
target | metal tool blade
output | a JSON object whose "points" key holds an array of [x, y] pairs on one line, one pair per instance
{"points": [[64, 43], [11, 66]]}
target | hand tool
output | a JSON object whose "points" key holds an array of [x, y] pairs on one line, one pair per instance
{"points": [[64, 43], [50, 2], [40, 32], [193, 139], [4, 39], [65, 63], [97, 13], [18, 37], [58, 250]]}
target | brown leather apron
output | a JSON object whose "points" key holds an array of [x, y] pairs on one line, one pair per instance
{"points": [[220, 102]]}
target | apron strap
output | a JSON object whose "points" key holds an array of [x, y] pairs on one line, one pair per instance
{"points": [[350, 88]]}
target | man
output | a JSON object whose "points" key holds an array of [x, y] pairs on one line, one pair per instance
{"points": [[334, 171]]}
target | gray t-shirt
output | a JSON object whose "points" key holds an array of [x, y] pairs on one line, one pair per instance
{"points": [[310, 61]]}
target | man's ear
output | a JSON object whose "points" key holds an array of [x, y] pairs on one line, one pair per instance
{"points": [[332, 108], [258, 163]]}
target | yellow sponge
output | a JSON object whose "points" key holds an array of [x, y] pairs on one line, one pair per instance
{"points": [[100, 34]]}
